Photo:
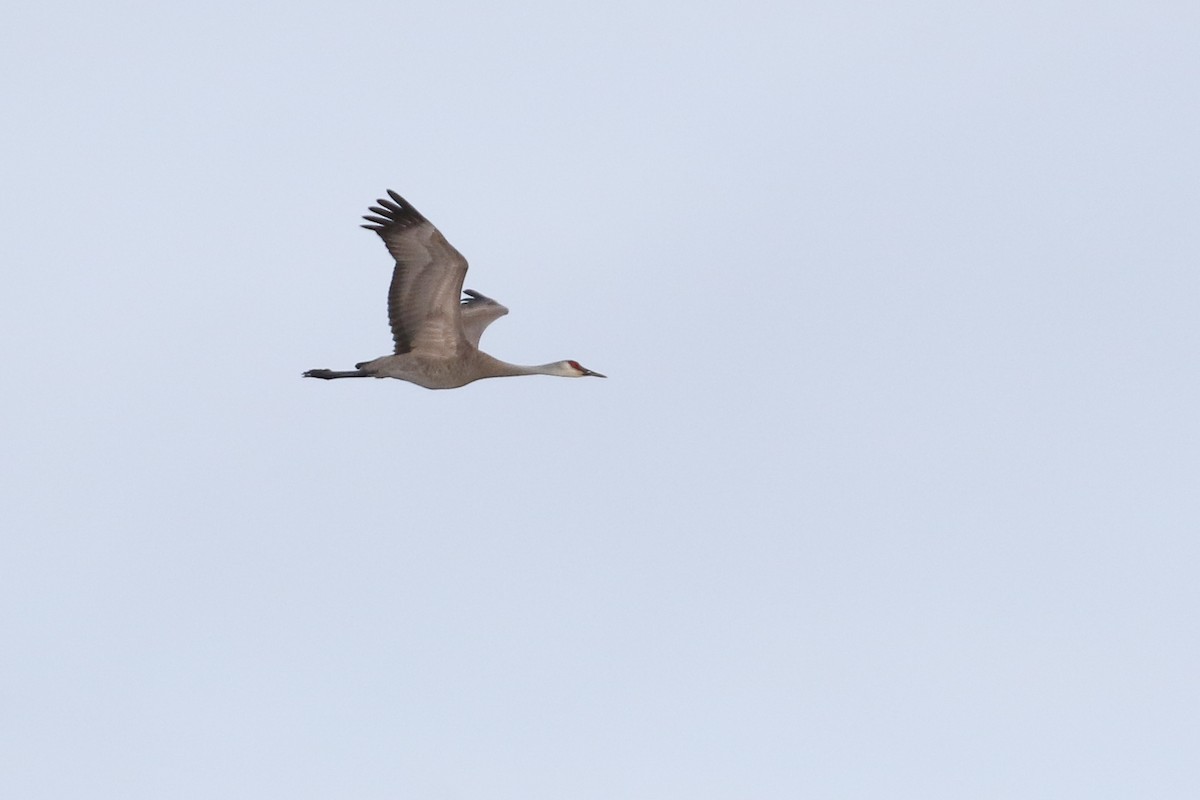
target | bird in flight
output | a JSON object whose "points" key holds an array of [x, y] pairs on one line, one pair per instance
{"points": [[436, 333]]}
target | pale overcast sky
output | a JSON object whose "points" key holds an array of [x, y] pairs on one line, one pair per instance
{"points": [[891, 491]]}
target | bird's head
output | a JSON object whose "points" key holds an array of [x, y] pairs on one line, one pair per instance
{"points": [[575, 370]]}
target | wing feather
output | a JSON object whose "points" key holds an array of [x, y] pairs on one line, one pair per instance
{"points": [[423, 299], [477, 313]]}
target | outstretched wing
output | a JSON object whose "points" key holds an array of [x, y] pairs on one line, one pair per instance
{"points": [[477, 313], [426, 283]]}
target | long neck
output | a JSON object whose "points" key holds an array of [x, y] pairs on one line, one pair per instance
{"points": [[496, 368]]}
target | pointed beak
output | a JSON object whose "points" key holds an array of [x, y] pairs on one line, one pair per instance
{"points": [[588, 372]]}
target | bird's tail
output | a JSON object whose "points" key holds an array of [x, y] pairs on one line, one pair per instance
{"points": [[328, 374]]}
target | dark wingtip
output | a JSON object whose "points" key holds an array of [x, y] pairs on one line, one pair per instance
{"points": [[399, 214]]}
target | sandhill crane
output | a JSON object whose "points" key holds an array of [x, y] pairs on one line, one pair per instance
{"points": [[436, 334]]}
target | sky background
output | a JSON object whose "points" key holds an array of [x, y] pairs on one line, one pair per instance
{"points": [[891, 491]]}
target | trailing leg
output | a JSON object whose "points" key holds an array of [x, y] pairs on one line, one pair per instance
{"points": [[328, 374]]}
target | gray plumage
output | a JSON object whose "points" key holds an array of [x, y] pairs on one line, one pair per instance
{"points": [[436, 335]]}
